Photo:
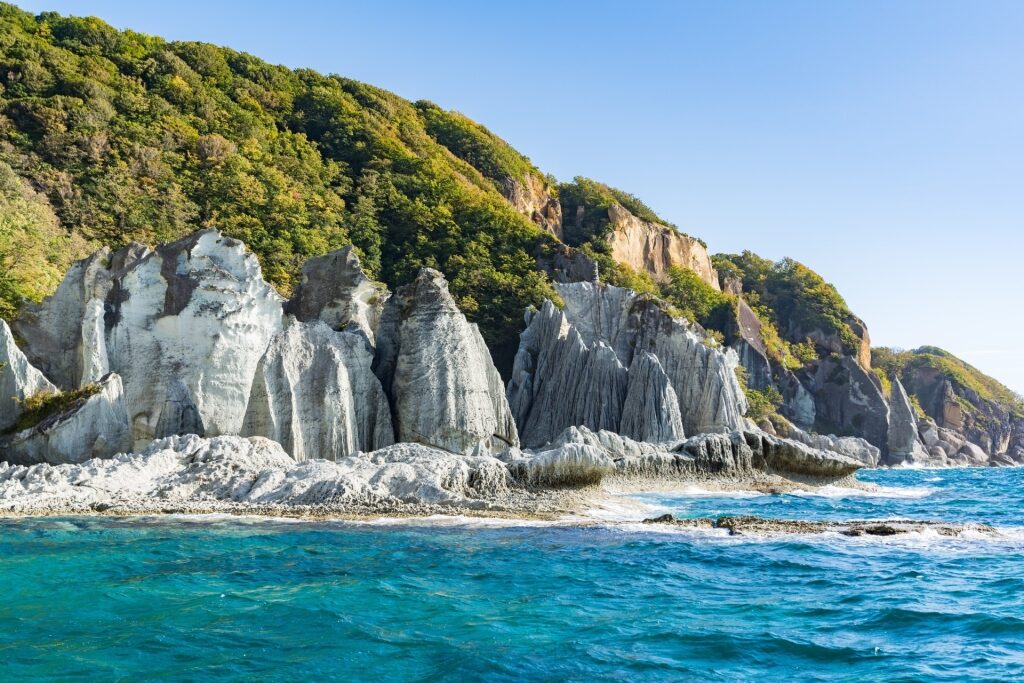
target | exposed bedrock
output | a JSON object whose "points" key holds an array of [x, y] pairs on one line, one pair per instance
{"points": [[315, 393], [905, 445], [91, 427], [191, 470], [334, 289], [19, 379], [655, 248], [582, 456], [614, 361], [64, 335], [849, 400], [186, 327], [438, 374]]}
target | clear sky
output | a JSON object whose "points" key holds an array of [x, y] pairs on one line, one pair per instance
{"points": [[879, 142]]}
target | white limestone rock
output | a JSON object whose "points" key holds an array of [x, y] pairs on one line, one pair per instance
{"points": [[231, 469], [438, 373], [905, 445], [64, 333], [615, 361], [186, 328], [850, 446], [315, 393], [18, 378], [335, 289], [94, 427]]}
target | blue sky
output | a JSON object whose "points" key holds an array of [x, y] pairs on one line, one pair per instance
{"points": [[881, 143]]}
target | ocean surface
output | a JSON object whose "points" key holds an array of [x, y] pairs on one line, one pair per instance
{"points": [[220, 598]]}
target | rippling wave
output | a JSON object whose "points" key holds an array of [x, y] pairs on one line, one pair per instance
{"points": [[460, 599]]}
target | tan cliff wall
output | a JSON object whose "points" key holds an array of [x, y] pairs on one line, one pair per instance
{"points": [[654, 248]]}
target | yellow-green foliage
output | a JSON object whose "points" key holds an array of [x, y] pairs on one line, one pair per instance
{"points": [[763, 404], [131, 137], [697, 300], [34, 249], [883, 378], [959, 373], [798, 300], [43, 404]]}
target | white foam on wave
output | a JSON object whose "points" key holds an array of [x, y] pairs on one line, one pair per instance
{"points": [[468, 521], [831, 491]]}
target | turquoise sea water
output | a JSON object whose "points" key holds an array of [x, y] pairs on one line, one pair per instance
{"points": [[219, 598]]}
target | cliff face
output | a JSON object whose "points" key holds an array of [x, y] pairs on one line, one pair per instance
{"points": [[654, 248], [437, 371], [611, 360], [531, 197], [201, 344]]}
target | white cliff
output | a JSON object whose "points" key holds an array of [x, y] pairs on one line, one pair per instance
{"points": [[438, 373], [95, 426], [64, 333], [19, 379], [585, 365], [186, 328], [315, 393]]}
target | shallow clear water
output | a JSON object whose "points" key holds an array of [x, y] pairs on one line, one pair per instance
{"points": [[191, 599]]}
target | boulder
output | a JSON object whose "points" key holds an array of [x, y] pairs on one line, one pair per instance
{"points": [[315, 393], [438, 373], [18, 378], [95, 426]]}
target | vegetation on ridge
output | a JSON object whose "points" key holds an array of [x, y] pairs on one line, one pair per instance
{"points": [[131, 137], [963, 376], [795, 299]]}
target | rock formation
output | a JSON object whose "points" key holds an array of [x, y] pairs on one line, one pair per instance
{"points": [[315, 393], [63, 334], [904, 443], [848, 399], [609, 360], [190, 472], [334, 289], [92, 427], [531, 196], [187, 326], [582, 455], [654, 248], [438, 373], [19, 379]]}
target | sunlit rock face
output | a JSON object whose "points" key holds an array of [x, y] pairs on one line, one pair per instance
{"points": [[438, 374], [186, 328], [315, 393], [19, 379], [655, 248], [92, 427], [64, 335], [335, 289], [616, 361]]}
